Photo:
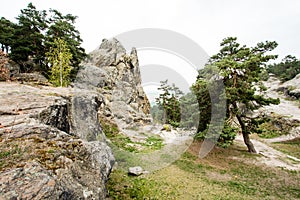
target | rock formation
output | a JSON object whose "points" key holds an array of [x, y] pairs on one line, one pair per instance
{"points": [[8, 68], [291, 88], [51, 142], [42, 155], [116, 75]]}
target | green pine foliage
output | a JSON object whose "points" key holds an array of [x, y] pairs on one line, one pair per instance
{"points": [[28, 39], [6, 34], [60, 57], [189, 111], [200, 89], [62, 26], [168, 104], [239, 68]]}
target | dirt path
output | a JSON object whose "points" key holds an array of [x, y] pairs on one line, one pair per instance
{"points": [[272, 157]]}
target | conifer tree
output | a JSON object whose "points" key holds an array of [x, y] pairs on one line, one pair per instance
{"points": [[239, 68], [168, 101]]}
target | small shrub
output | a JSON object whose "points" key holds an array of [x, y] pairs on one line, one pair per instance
{"points": [[225, 138], [166, 127], [274, 126]]}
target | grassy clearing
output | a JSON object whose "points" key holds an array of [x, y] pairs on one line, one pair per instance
{"points": [[217, 176], [151, 143]]}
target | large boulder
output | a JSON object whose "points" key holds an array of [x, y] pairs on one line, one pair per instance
{"points": [[48, 153]]}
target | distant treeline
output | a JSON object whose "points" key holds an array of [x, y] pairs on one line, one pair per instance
{"points": [[287, 69]]}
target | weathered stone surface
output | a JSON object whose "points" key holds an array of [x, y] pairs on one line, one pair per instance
{"points": [[291, 88], [56, 115], [33, 180], [84, 111], [107, 54], [44, 156], [4, 70], [32, 78], [52, 142], [116, 75], [136, 171]]}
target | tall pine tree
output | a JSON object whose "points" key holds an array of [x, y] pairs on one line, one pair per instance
{"points": [[28, 39], [239, 68], [62, 26]]}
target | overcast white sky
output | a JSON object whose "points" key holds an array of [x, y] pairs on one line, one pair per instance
{"points": [[206, 22]]}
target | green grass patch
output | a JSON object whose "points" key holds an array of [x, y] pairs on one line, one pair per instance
{"points": [[217, 176], [122, 186], [291, 147], [9, 156], [151, 143]]}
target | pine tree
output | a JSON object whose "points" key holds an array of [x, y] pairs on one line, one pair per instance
{"points": [[168, 101], [287, 69], [28, 38], [33, 35], [189, 111], [239, 68], [59, 58], [6, 34], [62, 26]]}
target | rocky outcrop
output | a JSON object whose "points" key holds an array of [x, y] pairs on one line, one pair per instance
{"points": [[32, 78], [46, 153], [51, 142], [8, 68], [116, 75], [291, 88], [285, 117]]}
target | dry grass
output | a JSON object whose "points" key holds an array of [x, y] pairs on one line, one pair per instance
{"points": [[290, 147], [217, 176]]}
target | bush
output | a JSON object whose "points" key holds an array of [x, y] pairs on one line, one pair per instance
{"points": [[225, 139]]}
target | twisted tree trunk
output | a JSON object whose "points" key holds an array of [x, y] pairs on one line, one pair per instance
{"points": [[245, 133], [246, 137]]}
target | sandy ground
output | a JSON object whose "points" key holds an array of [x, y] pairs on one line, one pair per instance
{"points": [[270, 156]]}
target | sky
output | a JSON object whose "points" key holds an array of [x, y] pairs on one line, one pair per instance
{"points": [[206, 22]]}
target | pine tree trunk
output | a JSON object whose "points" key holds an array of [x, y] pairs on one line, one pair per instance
{"points": [[245, 133], [246, 137]]}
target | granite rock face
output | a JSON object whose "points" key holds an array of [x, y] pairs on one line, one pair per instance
{"points": [[116, 75], [291, 88], [46, 152]]}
